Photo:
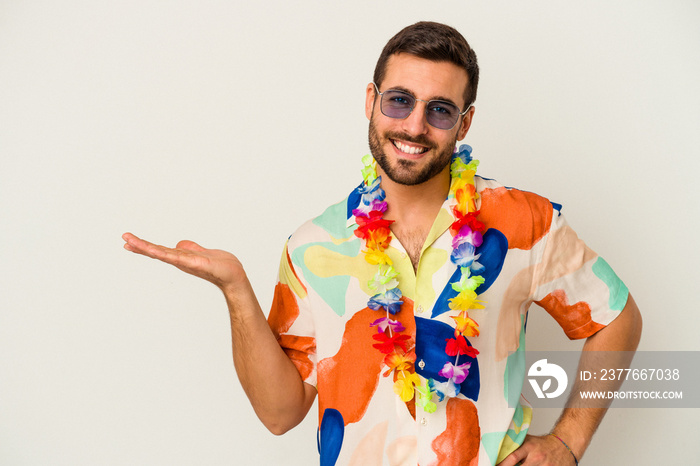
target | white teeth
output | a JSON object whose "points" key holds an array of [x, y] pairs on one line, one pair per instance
{"points": [[408, 149]]}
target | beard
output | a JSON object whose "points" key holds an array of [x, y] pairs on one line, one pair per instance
{"points": [[405, 171]]}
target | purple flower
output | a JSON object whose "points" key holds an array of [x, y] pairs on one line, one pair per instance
{"points": [[455, 373], [381, 206], [385, 322], [466, 234], [363, 209]]}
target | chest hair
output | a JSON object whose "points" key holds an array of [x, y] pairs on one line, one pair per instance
{"points": [[412, 241]]}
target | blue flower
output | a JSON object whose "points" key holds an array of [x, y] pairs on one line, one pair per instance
{"points": [[391, 301], [477, 268], [464, 254], [372, 192], [447, 389], [464, 152]]}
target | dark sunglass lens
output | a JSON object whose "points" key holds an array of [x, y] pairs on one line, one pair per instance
{"points": [[397, 104], [442, 115]]}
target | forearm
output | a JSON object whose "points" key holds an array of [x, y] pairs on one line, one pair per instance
{"points": [[271, 381], [611, 347]]}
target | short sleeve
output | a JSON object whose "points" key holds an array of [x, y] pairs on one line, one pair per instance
{"points": [[291, 321], [575, 285]]}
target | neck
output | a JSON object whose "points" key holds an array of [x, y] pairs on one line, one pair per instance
{"points": [[418, 203]]}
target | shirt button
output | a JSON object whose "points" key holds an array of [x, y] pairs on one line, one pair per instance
{"points": [[420, 308], [421, 364], [424, 421]]}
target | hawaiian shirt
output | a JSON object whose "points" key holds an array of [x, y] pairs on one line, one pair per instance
{"points": [[321, 319]]}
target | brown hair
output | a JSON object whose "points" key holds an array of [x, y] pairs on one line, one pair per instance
{"points": [[436, 42]]}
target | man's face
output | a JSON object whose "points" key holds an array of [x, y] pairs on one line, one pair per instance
{"points": [[410, 151]]}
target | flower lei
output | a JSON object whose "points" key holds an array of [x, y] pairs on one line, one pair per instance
{"points": [[399, 348]]}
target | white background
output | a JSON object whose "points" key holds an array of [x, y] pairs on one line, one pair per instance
{"points": [[231, 123]]}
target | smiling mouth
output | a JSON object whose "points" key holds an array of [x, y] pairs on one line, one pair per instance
{"points": [[408, 149]]}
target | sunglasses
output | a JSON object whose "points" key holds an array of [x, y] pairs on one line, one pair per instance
{"points": [[438, 113]]}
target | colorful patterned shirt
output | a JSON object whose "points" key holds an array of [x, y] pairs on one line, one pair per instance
{"points": [[320, 316]]}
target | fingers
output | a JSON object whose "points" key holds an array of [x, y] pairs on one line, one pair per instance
{"points": [[538, 450], [132, 242], [135, 244], [517, 457], [155, 251], [511, 460]]}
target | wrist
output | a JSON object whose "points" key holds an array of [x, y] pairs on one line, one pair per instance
{"points": [[575, 428], [236, 288], [241, 300], [574, 457]]}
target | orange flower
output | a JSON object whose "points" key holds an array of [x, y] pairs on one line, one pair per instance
{"points": [[465, 326], [466, 198], [401, 362], [378, 239]]}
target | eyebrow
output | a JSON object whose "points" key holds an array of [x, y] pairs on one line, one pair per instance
{"points": [[441, 98]]}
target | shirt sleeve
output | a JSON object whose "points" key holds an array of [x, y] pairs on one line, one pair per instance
{"points": [[575, 285], [291, 321]]}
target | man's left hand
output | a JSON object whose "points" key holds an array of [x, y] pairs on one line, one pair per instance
{"points": [[539, 451]]}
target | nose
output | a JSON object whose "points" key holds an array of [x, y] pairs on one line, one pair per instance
{"points": [[416, 123]]}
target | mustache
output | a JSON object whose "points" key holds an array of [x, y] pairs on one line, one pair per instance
{"points": [[420, 139]]}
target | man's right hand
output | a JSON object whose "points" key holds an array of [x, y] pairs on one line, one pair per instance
{"points": [[221, 268]]}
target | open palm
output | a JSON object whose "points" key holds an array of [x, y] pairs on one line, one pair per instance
{"points": [[221, 268]]}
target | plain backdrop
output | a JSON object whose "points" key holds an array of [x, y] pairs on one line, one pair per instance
{"points": [[231, 123]]}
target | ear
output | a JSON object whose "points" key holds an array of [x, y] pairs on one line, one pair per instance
{"points": [[466, 123], [369, 100]]}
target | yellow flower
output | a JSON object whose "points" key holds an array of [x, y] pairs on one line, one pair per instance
{"points": [[466, 300], [466, 198], [375, 257], [457, 184], [404, 385]]}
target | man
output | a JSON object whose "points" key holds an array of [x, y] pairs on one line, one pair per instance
{"points": [[404, 305]]}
